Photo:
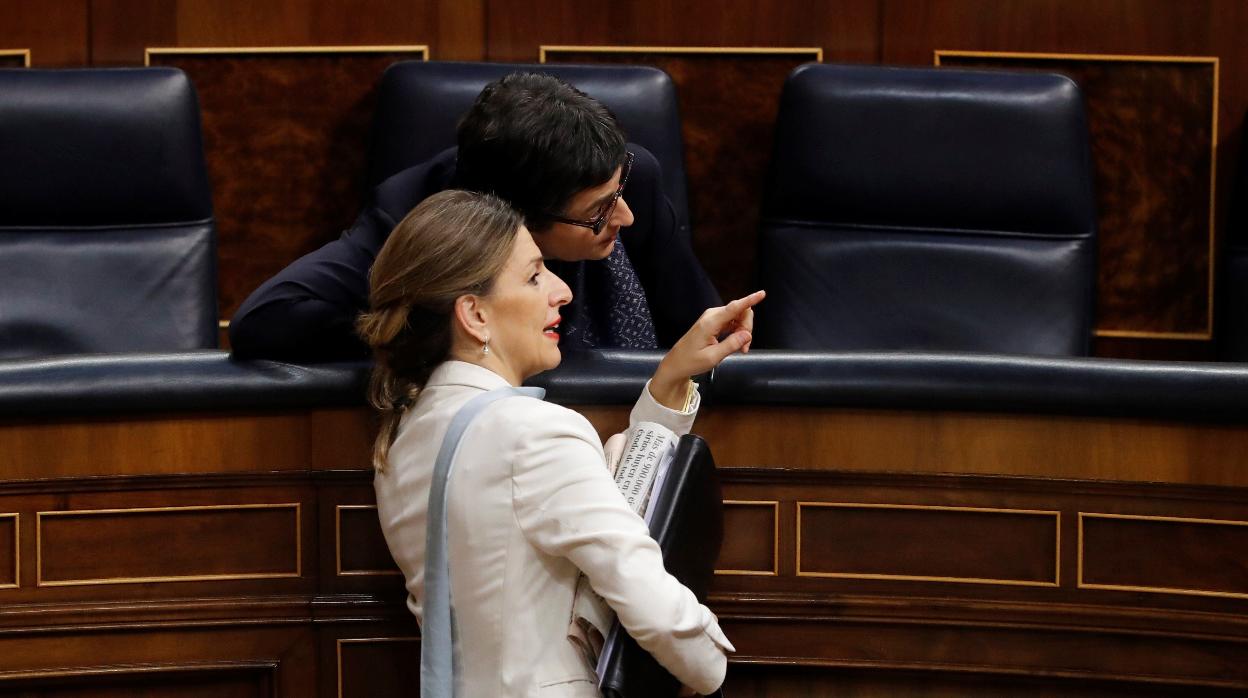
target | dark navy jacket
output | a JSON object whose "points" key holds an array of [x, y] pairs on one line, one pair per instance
{"points": [[307, 312]]}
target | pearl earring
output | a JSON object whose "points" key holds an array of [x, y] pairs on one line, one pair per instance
{"points": [[485, 348]]}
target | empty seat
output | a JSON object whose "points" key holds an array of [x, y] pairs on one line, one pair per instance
{"points": [[107, 241], [420, 104], [929, 209]]}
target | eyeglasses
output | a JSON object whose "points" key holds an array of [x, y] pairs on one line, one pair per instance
{"points": [[597, 223]]}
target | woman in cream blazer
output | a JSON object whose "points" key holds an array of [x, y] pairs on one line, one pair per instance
{"points": [[531, 503]]}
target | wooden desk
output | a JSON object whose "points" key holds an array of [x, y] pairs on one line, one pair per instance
{"points": [[867, 552]]}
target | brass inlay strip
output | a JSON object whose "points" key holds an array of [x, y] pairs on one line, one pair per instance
{"points": [[113, 670], [1057, 531], [1079, 583], [23, 52], [815, 51], [17, 551], [775, 540], [296, 506], [338, 546], [362, 640], [422, 49], [1213, 160]]}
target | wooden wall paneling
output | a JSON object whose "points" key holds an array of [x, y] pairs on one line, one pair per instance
{"points": [[154, 444], [10, 547], [848, 30], [15, 58], [111, 538], [354, 556], [192, 680], [728, 98], [258, 659], [169, 544], [54, 31], [1163, 555], [122, 29], [884, 624], [751, 538], [285, 137], [764, 680], [928, 543], [384, 666], [1153, 127], [1058, 446]]}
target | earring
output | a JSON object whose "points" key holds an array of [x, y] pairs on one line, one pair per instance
{"points": [[485, 348]]}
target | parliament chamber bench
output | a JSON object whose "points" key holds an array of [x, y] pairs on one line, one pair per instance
{"points": [[895, 523]]}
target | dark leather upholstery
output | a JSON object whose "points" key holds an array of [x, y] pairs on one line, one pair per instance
{"points": [[985, 382], [205, 381], [925, 209], [420, 104], [190, 381], [106, 231]]}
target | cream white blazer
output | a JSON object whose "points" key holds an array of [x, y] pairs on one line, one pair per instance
{"points": [[530, 505]]}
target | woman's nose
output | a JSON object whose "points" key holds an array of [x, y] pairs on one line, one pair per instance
{"points": [[622, 216], [562, 294]]}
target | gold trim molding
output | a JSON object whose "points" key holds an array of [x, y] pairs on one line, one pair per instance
{"points": [[362, 641], [1079, 583], [295, 506], [17, 551], [1213, 161], [1057, 531], [23, 52], [422, 49], [775, 540], [338, 546], [815, 51]]}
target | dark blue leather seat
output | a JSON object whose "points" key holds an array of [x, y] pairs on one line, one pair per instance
{"points": [[107, 241], [929, 210], [420, 104]]}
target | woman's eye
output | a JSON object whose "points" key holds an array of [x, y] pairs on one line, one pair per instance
{"points": [[533, 279]]}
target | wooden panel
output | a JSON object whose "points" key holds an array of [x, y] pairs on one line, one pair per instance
{"points": [[847, 29], [728, 104], [381, 666], [1163, 555], [154, 444], [10, 570], [751, 538], [55, 31], [255, 650], [1155, 192], [170, 544], [14, 58], [927, 543], [285, 137], [1088, 447], [122, 29], [186, 681], [359, 544], [767, 680]]}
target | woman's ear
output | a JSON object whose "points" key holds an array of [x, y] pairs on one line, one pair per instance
{"points": [[471, 316]]}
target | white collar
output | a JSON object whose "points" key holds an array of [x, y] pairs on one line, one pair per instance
{"points": [[455, 372]]}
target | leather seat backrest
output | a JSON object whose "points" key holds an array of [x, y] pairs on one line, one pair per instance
{"points": [[929, 209], [420, 104], [107, 241]]}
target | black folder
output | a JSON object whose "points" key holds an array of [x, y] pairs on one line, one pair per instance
{"points": [[687, 520]]}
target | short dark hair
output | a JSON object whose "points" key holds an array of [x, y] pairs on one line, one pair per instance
{"points": [[536, 141]]}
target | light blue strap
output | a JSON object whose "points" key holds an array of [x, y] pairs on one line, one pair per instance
{"points": [[439, 653]]}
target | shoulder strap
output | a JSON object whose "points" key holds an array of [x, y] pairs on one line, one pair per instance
{"points": [[439, 656]]}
